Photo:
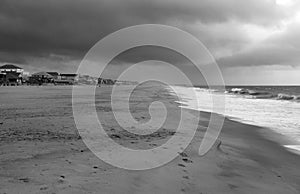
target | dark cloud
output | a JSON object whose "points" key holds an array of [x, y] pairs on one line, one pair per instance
{"points": [[221, 39], [77, 24], [46, 28], [281, 48], [12, 58], [264, 55], [152, 53]]}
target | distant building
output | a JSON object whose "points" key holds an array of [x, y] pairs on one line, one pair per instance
{"points": [[13, 79], [42, 75], [55, 75], [25, 77], [41, 78], [67, 78], [2, 78], [11, 68], [87, 80], [106, 81], [10, 75], [26, 73]]}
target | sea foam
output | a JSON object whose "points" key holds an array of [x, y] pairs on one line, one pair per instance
{"points": [[281, 115]]}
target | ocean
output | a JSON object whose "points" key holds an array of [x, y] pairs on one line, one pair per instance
{"points": [[273, 107]]}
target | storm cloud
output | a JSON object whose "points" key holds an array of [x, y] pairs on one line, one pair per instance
{"points": [[53, 34]]}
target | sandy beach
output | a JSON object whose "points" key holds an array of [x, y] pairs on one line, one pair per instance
{"points": [[42, 152]]}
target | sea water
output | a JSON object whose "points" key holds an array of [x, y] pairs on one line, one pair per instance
{"points": [[274, 107]]}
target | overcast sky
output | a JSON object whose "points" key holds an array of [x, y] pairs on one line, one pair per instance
{"points": [[253, 41]]}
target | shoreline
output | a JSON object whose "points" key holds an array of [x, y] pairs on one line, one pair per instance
{"points": [[270, 134], [260, 144], [282, 115], [50, 158]]}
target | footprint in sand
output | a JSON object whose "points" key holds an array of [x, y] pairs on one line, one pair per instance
{"points": [[68, 161], [43, 188], [231, 186], [186, 160], [183, 154], [25, 179], [61, 179]]}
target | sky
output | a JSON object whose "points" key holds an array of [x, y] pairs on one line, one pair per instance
{"points": [[252, 41]]}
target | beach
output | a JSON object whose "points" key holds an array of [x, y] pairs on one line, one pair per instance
{"points": [[42, 152]]}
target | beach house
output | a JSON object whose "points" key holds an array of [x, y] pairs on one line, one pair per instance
{"points": [[7, 68], [11, 75], [55, 75], [41, 78], [69, 76]]}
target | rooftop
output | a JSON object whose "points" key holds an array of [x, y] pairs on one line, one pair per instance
{"points": [[42, 74], [68, 74], [53, 73], [9, 66]]}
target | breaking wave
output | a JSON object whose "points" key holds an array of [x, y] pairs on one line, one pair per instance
{"points": [[248, 93], [275, 110]]}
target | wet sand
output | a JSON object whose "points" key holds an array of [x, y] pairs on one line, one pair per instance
{"points": [[42, 152]]}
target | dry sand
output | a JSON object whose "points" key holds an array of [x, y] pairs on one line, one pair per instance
{"points": [[41, 151]]}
